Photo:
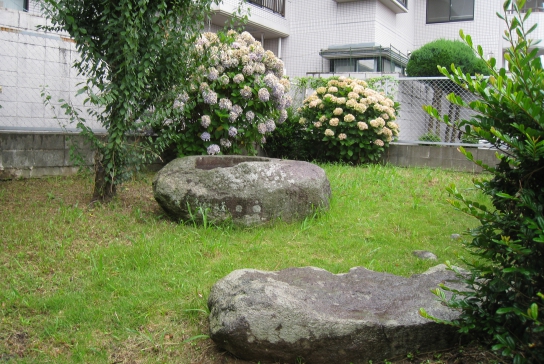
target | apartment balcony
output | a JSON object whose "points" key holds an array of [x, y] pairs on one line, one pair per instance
{"points": [[266, 17], [276, 6], [396, 6]]}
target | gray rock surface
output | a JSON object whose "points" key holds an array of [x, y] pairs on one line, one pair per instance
{"points": [[248, 190], [424, 254], [314, 316]]}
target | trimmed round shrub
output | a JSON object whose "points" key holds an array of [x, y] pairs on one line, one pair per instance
{"points": [[349, 122], [424, 61]]}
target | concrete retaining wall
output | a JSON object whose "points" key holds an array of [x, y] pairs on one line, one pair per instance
{"points": [[446, 157], [28, 155]]}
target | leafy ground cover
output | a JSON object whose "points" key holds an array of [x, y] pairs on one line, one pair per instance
{"points": [[121, 283]]}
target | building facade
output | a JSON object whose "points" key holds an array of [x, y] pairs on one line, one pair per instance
{"points": [[32, 61], [363, 36], [311, 36]]}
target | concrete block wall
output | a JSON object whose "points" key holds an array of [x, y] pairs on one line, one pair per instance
{"points": [[30, 155], [445, 157]]}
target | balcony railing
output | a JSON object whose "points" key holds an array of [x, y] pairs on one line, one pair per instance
{"points": [[276, 6], [536, 5], [524, 10]]}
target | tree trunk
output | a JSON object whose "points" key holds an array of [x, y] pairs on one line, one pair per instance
{"points": [[433, 126], [452, 131], [104, 189]]}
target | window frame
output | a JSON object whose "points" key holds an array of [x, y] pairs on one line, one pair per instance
{"points": [[379, 65], [26, 6], [528, 5], [449, 16]]}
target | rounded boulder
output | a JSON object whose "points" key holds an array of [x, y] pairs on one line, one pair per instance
{"points": [[247, 190]]}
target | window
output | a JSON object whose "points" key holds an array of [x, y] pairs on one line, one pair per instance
{"points": [[367, 64], [441, 11], [535, 5], [21, 5], [364, 57]]}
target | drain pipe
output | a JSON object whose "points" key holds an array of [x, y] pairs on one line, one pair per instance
{"points": [[279, 47]]}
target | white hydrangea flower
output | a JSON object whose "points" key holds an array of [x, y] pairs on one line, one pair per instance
{"points": [[270, 125], [349, 118], [205, 121], [213, 149], [264, 95], [362, 125], [261, 128], [246, 92], [209, 97], [225, 142], [225, 104], [250, 115], [212, 74], [238, 78]]}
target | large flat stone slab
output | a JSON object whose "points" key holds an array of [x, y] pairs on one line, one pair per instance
{"points": [[248, 190], [314, 316]]}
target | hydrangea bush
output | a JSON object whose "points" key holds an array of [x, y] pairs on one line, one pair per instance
{"points": [[349, 121], [235, 100]]}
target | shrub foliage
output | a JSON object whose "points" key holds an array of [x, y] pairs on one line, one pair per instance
{"points": [[289, 140], [132, 54], [348, 121], [444, 52], [507, 275], [233, 101]]}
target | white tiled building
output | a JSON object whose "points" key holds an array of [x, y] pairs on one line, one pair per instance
{"points": [[311, 36], [363, 35], [29, 60]]}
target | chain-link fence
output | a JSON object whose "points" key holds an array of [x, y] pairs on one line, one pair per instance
{"points": [[32, 62], [416, 125], [413, 93]]}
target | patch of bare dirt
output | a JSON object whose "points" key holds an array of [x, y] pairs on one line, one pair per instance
{"points": [[13, 345]]}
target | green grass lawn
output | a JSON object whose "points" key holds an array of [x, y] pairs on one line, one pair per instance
{"points": [[121, 283]]}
